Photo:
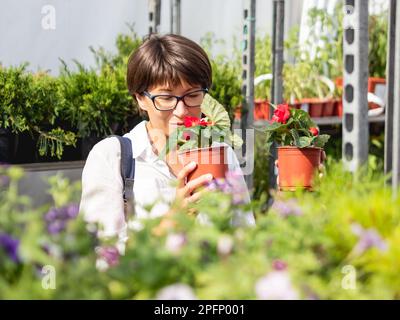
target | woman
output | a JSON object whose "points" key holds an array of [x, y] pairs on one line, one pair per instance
{"points": [[171, 66]]}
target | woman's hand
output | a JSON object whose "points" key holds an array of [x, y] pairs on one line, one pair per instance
{"points": [[185, 194], [321, 167], [191, 191]]}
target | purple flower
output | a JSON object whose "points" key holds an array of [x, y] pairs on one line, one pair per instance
{"points": [[367, 238], [4, 179], [57, 218], [232, 184], [287, 208], [107, 257], [10, 246], [55, 227], [72, 210]]}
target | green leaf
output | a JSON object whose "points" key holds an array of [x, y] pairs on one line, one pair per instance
{"points": [[273, 126], [305, 142], [319, 141], [296, 137], [206, 132], [191, 144], [215, 112], [235, 140]]}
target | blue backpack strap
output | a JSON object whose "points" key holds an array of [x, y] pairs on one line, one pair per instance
{"points": [[127, 167]]}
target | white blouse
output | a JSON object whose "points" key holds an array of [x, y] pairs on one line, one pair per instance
{"points": [[102, 184]]}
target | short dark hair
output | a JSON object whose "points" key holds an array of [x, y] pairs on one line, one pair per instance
{"points": [[168, 60]]}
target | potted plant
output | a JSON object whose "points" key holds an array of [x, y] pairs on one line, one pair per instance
{"points": [[306, 89], [299, 146], [203, 140]]}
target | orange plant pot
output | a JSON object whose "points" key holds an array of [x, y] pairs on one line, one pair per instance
{"points": [[328, 108], [315, 106], [338, 111], [372, 82], [297, 167], [261, 110], [209, 160]]}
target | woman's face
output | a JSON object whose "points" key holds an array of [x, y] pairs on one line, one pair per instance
{"points": [[167, 121]]}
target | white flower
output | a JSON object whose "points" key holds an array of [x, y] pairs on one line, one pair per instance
{"points": [[204, 220], [225, 245], [275, 286], [135, 225], [102, 265], [178, 291], [175, 242]]}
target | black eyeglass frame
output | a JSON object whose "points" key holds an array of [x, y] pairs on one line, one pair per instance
{"points": [[178, 98]]}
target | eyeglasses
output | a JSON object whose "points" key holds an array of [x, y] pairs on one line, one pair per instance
{"points": [[167, 102]]}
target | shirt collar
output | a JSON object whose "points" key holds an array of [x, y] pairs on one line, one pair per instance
{"points": [[141, 147], [140, 140]]}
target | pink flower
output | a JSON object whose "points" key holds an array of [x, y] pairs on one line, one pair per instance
{"points": [[279, 265], [281, 113], [107, 257]]}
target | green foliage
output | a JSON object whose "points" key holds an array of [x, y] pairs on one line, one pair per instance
{"points": [[293, 132], [201, 133], [57, 110], [312, 233], [322, 53], [95, 101], [31, 103], [263, 65], [226, 86], [378, 32]]}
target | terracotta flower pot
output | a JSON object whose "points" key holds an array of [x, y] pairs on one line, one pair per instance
{"points": [[328, 108], [261, 110], [314, 106], [297, 167], [209, 160], [338, 108]]}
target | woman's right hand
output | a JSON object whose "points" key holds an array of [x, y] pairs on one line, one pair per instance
{"points": [[191, 191], [185, 193]]}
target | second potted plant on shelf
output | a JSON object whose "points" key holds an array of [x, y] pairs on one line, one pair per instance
{"points": [[204, 141], [300, 146], [306, 89]]}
